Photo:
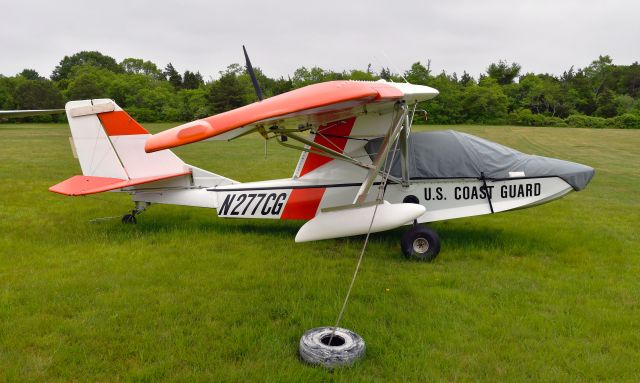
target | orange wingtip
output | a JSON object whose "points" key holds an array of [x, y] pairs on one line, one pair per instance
{"points": [[307, 100]]}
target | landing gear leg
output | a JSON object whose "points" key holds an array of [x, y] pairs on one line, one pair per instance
{"points": [[420, 243], [131, 217]]}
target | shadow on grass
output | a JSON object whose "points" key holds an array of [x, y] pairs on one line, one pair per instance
{"points": [[463, 238], [456, 237], [168, 224]]}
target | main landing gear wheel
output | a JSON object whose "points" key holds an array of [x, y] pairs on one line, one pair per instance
{"points": [[420, 243]]}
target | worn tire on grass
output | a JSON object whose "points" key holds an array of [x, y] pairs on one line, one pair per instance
{"points": [[315, 348]]}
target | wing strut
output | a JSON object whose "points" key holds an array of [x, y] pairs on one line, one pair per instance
{"points": [[404, 146], [383, 152]]}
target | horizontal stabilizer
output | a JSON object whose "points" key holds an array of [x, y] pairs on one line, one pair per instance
{"points": [[356, 220], [83, 185]]}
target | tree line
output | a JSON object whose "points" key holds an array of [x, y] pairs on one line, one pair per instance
{"points": [[599, 95]]}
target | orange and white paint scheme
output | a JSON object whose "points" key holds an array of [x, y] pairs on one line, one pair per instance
{"points": [[335, 186]]}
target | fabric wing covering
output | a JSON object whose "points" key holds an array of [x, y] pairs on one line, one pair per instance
{"points": [[311, 99], [451, 154]]}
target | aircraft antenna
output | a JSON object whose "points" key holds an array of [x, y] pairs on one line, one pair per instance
{"points": [[394, 67]]}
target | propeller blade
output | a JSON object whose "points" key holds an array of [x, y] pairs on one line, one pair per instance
{"points": [[28, 113], [252, 74]]}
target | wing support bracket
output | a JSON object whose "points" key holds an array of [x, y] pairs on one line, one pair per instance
{"points": [[323, 150]]}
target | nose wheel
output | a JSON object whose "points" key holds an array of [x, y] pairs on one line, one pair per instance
{"points": [[420, 243]]}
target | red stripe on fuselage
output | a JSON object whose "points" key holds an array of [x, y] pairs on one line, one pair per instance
{"points": [[303, 203], [333, 136]]}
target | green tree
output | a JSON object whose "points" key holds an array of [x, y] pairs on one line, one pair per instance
{"points": [[172, 75], [124, 88], [282, 86], [193, 104], [598, 72], [226, 93], [192, 80], [7, 91], [419, 74], [303, 76], [630, 80], [84, 58], [138, 66], [485, 102], [31, 74], [578, 88], [544, 94], [607, 104], [504, 73], [36, 94], [385, 74], [88, 82], [447, 108], [362, 75], [626, 104], [466, 79]]}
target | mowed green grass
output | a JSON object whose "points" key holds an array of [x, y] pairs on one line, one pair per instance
{"points": [[545, 294]]}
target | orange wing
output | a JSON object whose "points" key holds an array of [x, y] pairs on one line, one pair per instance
{"points": [[312, 99]]}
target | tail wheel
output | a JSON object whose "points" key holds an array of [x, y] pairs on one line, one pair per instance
{"points": [[129, 219], [420, 243]]}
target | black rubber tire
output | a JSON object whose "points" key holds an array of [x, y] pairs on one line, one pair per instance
{"points": [[129, 219], [420, 243], [348, 347]]}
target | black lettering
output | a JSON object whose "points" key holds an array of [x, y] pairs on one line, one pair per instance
{"points": [[278, 204], [521, 191], [266, 209], [537, 189], [439, 193], [252, 197], [456, 192], [427, 194], [241, 199], [261, 197], [485, 192], [228, 200], [473, 194], [503, 191]]}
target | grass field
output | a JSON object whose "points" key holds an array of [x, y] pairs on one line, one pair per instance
{"points": [[546, 294]]}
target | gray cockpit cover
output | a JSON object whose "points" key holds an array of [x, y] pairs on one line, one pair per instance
{"points": [[451, 154]]}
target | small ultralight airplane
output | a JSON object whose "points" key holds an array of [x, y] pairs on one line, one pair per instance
{"points": [[353, 135]]}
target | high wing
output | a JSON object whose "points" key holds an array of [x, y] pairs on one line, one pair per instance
{"points": [[313, 103], [316, 108], [28, 113]]}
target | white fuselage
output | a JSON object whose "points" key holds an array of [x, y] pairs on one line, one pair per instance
{"points": [[442, 198]]}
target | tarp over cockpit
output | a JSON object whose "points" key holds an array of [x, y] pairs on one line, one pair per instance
{"points": [[452, 154]]}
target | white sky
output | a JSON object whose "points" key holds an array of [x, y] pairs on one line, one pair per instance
{"points": [[541, 35]]}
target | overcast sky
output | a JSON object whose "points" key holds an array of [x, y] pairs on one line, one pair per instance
{"points": [[541, 35]]}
